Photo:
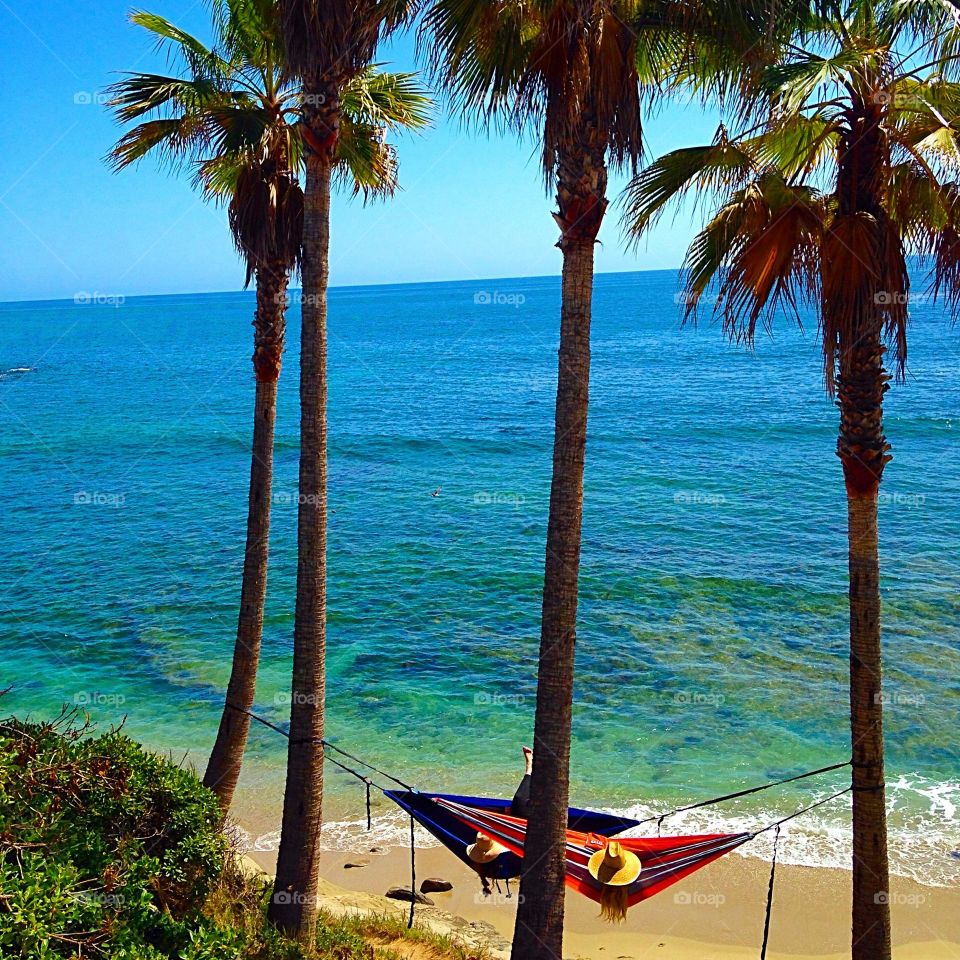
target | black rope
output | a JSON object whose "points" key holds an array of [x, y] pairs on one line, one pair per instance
{"points": [[326, 743], [773, 871], [796, 813], [748, 791], [266, 723], [369, 766], [413, 875], [369, 822]]}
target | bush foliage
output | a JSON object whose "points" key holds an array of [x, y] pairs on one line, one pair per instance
{"points": [[110, 852], [106, 850]]}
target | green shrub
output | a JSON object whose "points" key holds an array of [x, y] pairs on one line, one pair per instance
{"points": [[104, 848], [110, 852]]}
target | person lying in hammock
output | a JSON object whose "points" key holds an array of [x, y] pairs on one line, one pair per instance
{"points": [[489, 859]]}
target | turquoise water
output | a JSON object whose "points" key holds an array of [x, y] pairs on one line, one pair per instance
{"points": [[712, 642]]}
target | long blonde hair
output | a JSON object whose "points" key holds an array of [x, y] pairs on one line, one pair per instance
{"points": [[613, 904]]}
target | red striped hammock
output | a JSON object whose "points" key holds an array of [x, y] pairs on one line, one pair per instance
{"points": [[665, 860]]}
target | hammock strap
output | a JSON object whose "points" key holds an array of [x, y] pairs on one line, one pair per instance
{"points": [[773, 871], [413, 874], [326, 743], [796, 813], [369, 821], [750, 790]]}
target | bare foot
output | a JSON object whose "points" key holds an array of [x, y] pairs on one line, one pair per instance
{"points": [[528, 759]]}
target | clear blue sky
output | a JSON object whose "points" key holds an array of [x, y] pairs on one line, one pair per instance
{"points": [[472, 205]]}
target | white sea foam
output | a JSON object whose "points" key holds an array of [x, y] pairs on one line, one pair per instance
{"points": [[924, 830]]}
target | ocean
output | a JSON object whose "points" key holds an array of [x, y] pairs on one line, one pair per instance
{"points": [[712, 641]]}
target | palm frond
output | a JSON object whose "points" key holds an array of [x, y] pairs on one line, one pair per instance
{"points": [[138, 94], [366, 162], [707, 170], [798, 144], [266, 215], [551, 68], [804, 79], [336, 39], [391, 101], [762, 251], [202, 60], [864, 274], [173, 140]]}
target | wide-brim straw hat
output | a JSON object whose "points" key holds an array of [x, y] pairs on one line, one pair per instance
{"points": [[484, 850], [613, 866]]}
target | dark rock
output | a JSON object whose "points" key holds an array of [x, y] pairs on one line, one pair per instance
{"points": [[405, 894], [435, 885], [356, 864]]}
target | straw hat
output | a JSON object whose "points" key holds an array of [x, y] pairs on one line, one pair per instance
{"points": [[484, 850], [614, 866]]}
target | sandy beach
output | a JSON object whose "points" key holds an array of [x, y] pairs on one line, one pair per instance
{"points": [[717, 914]]}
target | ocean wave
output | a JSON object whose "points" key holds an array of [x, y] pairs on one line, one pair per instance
{"points": [[16, 372]]}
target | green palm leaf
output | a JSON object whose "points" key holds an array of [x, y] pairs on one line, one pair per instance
{"points": [[231, 116], [704, 169]]}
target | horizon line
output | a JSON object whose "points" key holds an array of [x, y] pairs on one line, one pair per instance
{"points": [[339, 286]]}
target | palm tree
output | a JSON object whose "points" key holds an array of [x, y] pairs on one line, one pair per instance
{"points": [[328, 44], [852, 166], [571, 72], [233, 113]]}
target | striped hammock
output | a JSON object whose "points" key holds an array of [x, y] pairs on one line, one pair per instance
{"points": [[665, 860]]}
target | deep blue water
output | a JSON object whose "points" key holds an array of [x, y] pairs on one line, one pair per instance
{"points": [[712, 646]]}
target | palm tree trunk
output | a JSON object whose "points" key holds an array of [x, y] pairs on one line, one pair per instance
{"points": [[538, 934], [863, 451], [223, 768], [294, 905]]}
